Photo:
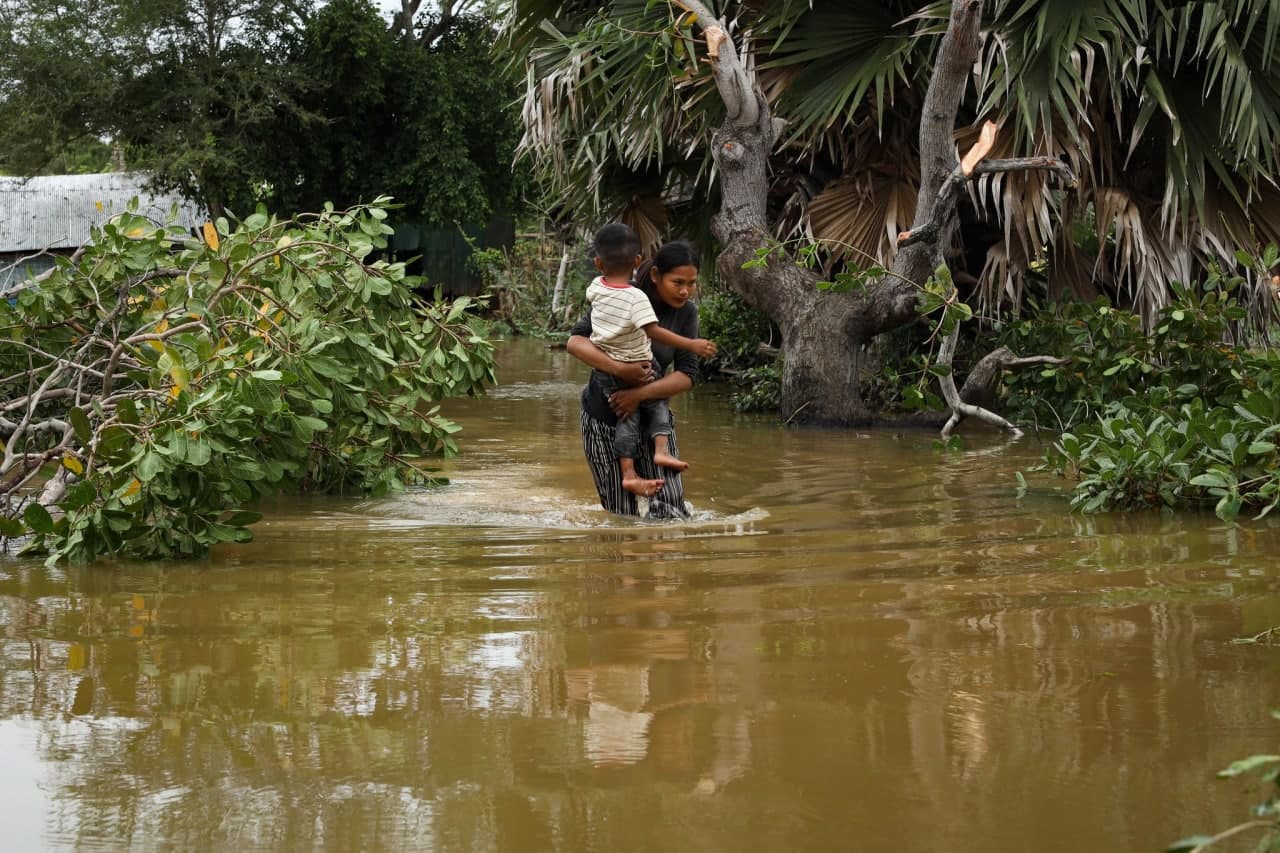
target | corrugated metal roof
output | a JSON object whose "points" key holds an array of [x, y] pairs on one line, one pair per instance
{"points": [[55, 211]]}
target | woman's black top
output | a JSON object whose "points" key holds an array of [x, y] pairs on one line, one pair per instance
{"points": [[682, 321]]}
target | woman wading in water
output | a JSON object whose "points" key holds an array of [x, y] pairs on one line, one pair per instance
{"points": [[669, 280]]}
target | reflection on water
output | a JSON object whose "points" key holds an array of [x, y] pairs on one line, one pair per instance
{"points": [[858, 643]]}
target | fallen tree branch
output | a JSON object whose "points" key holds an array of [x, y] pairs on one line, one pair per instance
{"points": [[959, 408], [984, 378], [987, 372]]}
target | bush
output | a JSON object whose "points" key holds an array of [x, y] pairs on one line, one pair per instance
{"points": [[1186, 415], [746, 339], [1198, 339], [738, 330], [1192, 454], [172, 381]]}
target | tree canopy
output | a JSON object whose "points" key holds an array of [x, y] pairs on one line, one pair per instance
{"points": [[239, 101]]}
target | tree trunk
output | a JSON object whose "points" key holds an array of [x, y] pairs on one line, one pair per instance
{"points": [[557, 295], [825, 336]]}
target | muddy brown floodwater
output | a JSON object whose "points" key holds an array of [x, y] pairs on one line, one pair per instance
{"points": [[858, 643]]}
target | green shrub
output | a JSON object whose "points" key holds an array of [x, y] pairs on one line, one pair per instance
{"points": [[1198, 340], [164, 383], [1170, 456], [1184, 416], [737, 328], [761, 389], [747, 355]]}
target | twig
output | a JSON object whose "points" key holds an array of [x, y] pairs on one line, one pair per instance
{"points": [[1260, 637], [1227, 833]]}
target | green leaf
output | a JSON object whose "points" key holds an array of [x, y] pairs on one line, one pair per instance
{"points": [[79, 496], [150, 465], [313, 424], [1228, 506], [242, 518], [1212, 480], [38, 519], [267, 375], [198, 452], [11, 528], [80, 423], [1244, 765], [127, 411]]}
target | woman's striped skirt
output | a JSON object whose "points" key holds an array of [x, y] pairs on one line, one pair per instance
{"points": [[597, 444]]}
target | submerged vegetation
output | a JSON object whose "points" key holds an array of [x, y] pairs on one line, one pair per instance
{"points": [[1186, 414], [158, 384]]}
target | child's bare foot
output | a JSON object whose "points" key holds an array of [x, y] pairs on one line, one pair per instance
{"points": [[666, 460], [637, 485]]}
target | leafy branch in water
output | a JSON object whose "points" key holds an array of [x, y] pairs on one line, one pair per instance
{"points": [[1266, 814], [1188, 415], [158, 384]]}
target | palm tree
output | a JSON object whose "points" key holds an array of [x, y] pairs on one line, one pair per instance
{"points": [[1168, 112]]}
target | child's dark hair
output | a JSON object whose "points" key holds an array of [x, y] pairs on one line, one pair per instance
{"points": [[676, 253], [617, 248]]}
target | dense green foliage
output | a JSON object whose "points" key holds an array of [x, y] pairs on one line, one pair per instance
{"points": [[175, 381], [1187, 414], [191, 90], [239, 101], [430, 125], [744, 337]]}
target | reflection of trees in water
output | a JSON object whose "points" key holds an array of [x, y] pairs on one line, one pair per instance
{"points": [[278, 718], [641, 698], [1119, 702]]}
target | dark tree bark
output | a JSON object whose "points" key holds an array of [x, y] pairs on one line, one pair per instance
{"points": [[825, 336]]}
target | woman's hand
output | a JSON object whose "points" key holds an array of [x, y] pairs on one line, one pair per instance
{"points": [[633, 372], [625, 402]]}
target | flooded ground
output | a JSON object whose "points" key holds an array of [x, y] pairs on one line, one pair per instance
{"points": [[859, 643]]}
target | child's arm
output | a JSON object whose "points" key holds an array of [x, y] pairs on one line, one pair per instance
{"points": [[697, 346]]}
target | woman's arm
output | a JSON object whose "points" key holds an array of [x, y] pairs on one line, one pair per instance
{"points": [[627, 400], [631, 372]]}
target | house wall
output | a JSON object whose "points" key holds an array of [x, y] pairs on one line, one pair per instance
{"points": [[59, 211]]}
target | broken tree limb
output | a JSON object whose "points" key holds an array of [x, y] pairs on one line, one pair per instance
{"points": [[980, 150], [929, 230], [984, 378], [737, 87], [959, 408]]}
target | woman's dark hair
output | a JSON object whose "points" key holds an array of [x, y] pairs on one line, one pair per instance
{"points": [[676, 253]]}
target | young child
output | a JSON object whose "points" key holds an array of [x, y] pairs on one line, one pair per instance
{"points": [[622, 324]]}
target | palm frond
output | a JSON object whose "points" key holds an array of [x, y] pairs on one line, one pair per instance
{"points": [[842, 59]]}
